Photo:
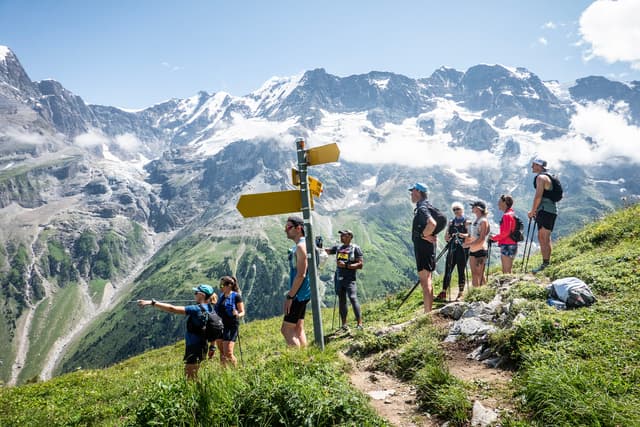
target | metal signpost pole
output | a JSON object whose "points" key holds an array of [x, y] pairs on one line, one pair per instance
{"points": [[311, 252]]}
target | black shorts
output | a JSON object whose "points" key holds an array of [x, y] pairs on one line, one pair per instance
{"points": [[479, 254], [195, 353], [545, 220], [425, 255], [230, 332], [297, 311]]}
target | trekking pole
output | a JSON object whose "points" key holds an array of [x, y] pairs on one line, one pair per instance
{"points": [[526, 241], [333, 317], [335, 299], [533, 232], [240, 348], [488, 260], [409, 294], [442, 252]]}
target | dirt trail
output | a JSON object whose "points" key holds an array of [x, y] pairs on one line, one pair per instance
{"points": [[395, 400], [391, 398]]}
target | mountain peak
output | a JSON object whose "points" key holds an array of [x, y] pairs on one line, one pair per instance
{"points": [[5, 52]]}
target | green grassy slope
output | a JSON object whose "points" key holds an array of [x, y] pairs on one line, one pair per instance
{"points": [[576, 367]]}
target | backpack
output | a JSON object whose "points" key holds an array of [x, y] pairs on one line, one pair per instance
{"points": [[556, 193], [439, 218], [211, 326], [517, 234], [572, 291]]}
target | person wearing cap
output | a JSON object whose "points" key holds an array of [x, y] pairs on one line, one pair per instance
{"points": [[230, 308], [477, 243], [508, 246], [348, 261], [195, 343], [423, 241], [544, 210], [457, 231], [299, 294]]}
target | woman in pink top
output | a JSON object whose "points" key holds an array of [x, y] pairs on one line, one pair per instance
{"points": [[508, 247]]}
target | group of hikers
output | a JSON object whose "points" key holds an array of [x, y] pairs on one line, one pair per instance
{"points": [[468, 240]]}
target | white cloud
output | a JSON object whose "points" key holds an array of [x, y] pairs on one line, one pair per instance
{"points": [[542, 41], [611, 137], [17, 136], [128, 142], [171, 67], [91, 139], [611, 30], [549, 25]]}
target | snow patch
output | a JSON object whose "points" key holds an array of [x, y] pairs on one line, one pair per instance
{"points": [[382, 84], [4, 52]]}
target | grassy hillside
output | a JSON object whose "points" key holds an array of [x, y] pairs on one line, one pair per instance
{"points": [[576, 367], [259, 262]]}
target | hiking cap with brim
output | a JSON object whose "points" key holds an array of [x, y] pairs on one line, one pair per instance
{"points": [[346, 231], [540, 162], [419, 186], [205, 289]]}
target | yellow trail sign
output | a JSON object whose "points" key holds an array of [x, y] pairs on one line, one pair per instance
{"points": [[324, 154], [277, 202], [315, 185]]}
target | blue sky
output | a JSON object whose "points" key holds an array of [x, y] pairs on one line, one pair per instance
{"points": [[134, 54]]}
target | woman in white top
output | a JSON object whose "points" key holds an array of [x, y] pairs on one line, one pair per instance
{"points": [[477, 243]]}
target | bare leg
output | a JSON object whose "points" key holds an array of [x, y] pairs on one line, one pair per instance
{"points": [[507, 263], [228, 353], [191, 370], [427, 289], [544, 237]]}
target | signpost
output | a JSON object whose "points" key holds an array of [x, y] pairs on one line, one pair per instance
{"points": [[279, 202]]}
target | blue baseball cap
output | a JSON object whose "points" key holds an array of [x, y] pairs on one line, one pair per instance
{"points": [[205, 289], [420, 187]]}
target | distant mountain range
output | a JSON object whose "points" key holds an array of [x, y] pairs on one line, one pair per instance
{"points": [[98, 203]]}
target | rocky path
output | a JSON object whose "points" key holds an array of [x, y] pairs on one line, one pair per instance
{"points": [[395, 400]]}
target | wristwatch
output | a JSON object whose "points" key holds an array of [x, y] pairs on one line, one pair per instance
{"points": [[290, 297], [153, 302]]}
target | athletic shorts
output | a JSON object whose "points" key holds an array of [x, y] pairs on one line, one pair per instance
{"points": [[195, 353], [545, 220], [425, 255], [230, 332], [479, 254], [509, 250], [297, 311]]}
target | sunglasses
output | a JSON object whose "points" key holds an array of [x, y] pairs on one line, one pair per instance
{"points": [[457, 209]]}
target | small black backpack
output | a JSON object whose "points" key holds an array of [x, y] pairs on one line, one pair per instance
{"points": [[517, 234], [211, 324], [438, 217]]}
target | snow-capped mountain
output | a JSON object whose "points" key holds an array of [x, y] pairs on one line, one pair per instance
{"points": [[89, 193]]}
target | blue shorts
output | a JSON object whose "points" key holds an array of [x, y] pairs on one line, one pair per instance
{"points": [[509, 250]]}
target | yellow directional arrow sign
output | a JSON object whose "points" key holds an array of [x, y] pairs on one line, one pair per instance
{"points": [[324, 154], [261, 204], [315, 185]]}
